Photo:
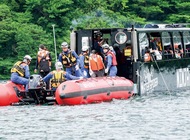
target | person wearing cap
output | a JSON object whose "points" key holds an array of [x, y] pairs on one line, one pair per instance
{"points": [[98, 42], [96, 65], [43, 61], [84, 61], [70, 60], [111, 61], [58, 76], [20, 72]]}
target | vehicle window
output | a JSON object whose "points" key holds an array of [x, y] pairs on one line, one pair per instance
{"points": [[143, 43], [178, 47], [186, 39], [167, 45]]}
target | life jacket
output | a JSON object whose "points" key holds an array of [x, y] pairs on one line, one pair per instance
{"points": [[58, 78], [44, 61], [127, 52], [86, 60], [43, 54], [97, 64], [159, 46], [114, 61], [147, 57], [69, 59], [17, 68]]}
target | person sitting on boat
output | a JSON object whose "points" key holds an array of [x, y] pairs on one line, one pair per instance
{"points": [[147, 55], [20, 72], [96, 65], [111, 61], [58, 76], [178, 51], [84, 61], [70, 60]]}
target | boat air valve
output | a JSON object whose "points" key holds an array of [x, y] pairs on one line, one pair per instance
{"points": [[85, 97], [108, 93]]}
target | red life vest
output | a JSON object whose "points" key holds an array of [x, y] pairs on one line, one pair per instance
{"points": [[114, 61]]}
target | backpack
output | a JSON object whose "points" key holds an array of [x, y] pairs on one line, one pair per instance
{"points": [[44, 65]]}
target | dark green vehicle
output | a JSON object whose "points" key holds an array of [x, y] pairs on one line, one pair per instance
{"points": [[169, 50]]}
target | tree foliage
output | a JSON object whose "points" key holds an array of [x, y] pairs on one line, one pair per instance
{"points": [[24, 24]]}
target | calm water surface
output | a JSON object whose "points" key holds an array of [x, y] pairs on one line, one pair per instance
{"points": [[154, 117]]}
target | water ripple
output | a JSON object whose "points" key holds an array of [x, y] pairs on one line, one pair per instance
{"points": [[157, 116]]}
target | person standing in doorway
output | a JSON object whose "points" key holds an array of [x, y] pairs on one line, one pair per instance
{"points": [[110, 60]]}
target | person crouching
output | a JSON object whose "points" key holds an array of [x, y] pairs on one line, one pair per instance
{"points": [[58, 76], [20, 72]]}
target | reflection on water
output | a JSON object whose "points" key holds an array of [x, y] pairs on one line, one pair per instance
{"points": [[158, 116]]}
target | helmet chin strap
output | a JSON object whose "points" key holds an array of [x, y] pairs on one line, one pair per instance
{"points": [[25, 61]]}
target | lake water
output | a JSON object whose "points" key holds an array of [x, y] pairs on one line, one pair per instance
{"points": [[155, 117]]}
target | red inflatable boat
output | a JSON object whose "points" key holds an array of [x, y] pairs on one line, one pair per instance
{"points": [[8, 93], [93, 90]]}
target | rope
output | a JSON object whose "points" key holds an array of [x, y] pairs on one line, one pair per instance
{"points": [[137, 73], [161, 75]]}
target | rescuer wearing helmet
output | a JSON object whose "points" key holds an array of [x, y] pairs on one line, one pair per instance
{"points": [[58, 76], [111, 61], [84, 61], [70, 60], [20, 72]]}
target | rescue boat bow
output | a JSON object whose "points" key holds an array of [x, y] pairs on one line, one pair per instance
{"points": [[93, 90]]}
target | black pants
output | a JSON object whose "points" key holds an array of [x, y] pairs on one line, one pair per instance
{"points": [[43, 74]]}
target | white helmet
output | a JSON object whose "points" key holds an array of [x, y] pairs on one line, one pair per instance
{"points": [[85, 48], [105, 46], [58, 65], [28, 57], [64, 45], [111, 48]]}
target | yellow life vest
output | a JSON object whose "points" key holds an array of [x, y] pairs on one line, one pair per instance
{"points": [[69, 59], [86, 61], [58, 78], [17, 68], [127, 52]]}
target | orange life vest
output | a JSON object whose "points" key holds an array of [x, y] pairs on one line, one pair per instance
{"points": [[147, 57], [43, 54], [96, 62], [114, 61]]}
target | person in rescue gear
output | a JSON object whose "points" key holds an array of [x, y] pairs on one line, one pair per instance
{"points": [[84, 61], [20, 72], [70, 60], [58, 76], [43, 62], [110, 60], [96, 65]]}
